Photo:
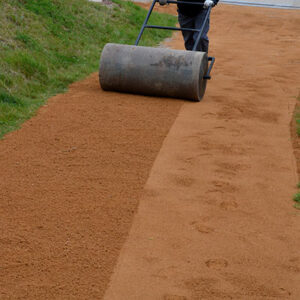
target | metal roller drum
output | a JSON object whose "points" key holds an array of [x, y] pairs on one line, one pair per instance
{"points": [[153, 71]]}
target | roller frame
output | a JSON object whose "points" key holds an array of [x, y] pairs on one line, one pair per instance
{"points": [[210, 58]]}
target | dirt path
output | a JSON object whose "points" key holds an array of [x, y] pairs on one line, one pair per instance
{"points": [[215, 219], [70, 183]]}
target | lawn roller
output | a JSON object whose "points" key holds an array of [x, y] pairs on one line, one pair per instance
{"points": [[156, 71]]}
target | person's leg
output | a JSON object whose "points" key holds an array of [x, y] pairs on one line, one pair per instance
{"points": [[187, 22], [204, 42]]}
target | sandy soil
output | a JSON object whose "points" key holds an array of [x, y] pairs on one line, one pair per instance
{"points": [[70, 183], [215, 218]]}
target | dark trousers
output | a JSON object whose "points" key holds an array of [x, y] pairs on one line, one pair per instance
{"points": [[191, 37]]}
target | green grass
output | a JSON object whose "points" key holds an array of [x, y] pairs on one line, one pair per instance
{"points": [[47, 44], [297, 199], [297, 116]]}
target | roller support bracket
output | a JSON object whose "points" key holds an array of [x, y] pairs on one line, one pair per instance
{"points": [[212, 60]]}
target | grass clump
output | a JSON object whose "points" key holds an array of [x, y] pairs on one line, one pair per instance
{"points": [[47, 44], [297, 116], [9, 99], [297, 198]]}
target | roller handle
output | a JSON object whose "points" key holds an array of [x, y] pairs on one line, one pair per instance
{"points": [[207, 75], [172, 28]]}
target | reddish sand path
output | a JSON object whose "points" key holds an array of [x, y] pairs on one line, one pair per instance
{"points": [[215, 220], [70, 183]]}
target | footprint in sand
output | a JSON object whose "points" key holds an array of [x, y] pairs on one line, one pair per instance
{"points": [[229, 205], [295, 260], [210, 200], [222, 187], [184, 181], [207, 115], [284, 292], [294, 268], [202, 228], [230, 169], [187, 160], [217, 264]]}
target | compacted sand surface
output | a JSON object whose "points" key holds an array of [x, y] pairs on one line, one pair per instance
{"points": [[130, 197]]}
